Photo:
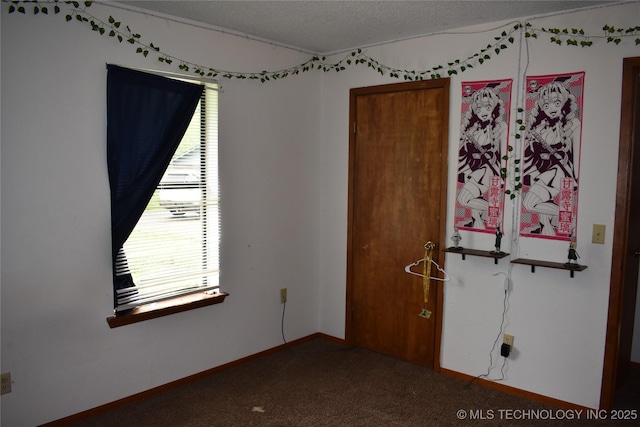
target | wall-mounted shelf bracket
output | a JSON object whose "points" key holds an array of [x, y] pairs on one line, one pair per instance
{"points": [[475, 252], [559, 265]]}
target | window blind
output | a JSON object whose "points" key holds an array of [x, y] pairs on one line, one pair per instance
{"points": [[174, 248]]}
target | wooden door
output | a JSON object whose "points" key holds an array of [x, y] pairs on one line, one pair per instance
{"points": [[632, 262], [626, 240], [397, 203]]}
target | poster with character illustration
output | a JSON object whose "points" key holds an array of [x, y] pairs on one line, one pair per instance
{"points": [[484, 130], [550, 156]]}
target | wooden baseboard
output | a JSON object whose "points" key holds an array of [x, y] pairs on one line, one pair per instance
{"points": [[165, 387], [513, 391], [328, 338]]}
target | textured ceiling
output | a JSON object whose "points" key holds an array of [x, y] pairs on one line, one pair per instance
{"points": [[331, 26]]}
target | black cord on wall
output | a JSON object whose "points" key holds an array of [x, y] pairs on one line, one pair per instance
{"points": [[495, 343]]}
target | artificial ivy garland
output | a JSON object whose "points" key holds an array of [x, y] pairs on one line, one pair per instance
{"points": [[112, 28], [78, 11]]}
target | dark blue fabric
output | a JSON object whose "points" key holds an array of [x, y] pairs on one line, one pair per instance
{"points": [[147, 116]]}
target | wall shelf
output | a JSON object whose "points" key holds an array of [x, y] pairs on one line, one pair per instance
{"points": [[547, 264], [475, 252]]}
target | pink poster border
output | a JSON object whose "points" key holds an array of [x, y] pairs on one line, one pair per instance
{"points": [[479, 205], [551, 156]]}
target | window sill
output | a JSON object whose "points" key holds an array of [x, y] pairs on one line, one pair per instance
{"points": [[165, 308]]}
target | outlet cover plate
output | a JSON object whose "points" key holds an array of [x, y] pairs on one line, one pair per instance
{"points": [[5, 383], [598, 234], [508, 339]]}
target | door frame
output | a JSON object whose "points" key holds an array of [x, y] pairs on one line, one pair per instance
{"points": [[437, 287], [631, 67]]}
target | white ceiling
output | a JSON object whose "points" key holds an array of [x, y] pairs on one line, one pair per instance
{"points": [[330, 26]]}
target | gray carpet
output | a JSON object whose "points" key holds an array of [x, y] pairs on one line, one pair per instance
{"points": [[324, 383]]}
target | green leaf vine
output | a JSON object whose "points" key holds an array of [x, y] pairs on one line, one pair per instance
{"points": [[578, 37], [513, 162], [78, 11]]}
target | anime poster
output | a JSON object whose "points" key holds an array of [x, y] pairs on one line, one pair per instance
{"points": [[551, 154], [484, 131]]}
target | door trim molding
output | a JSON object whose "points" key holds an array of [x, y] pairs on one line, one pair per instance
{"points": [[631, 67], [437, 288]]}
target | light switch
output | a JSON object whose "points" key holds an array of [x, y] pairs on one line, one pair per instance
{"points": [[598, 234]]}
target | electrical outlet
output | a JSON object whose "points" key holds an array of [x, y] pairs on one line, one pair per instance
{"points": [[508, 339], [283, 295], [5, 383], [598, 234]]}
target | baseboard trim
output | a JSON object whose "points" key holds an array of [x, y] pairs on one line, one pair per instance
{"points": [[513, 391], [165, 387]]}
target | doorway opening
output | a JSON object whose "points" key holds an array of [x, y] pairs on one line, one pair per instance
{"points": [[618, 371]]}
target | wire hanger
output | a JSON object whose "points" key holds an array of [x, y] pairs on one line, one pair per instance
{"points": [[426, 276], [446, 275]]}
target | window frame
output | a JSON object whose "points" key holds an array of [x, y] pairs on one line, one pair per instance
{"points": [[186, 301]]}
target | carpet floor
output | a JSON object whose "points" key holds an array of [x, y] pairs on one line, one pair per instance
{"points": [[324, 383]]}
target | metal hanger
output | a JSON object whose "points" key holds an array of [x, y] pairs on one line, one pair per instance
{"points": [[446, 275]]}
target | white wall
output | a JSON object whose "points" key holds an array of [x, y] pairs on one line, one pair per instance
{"points": [[284, 149], [558, 322], [56, 274]]}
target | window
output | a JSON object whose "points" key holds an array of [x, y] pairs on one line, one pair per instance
{"points": [[173, 250], [174, 247]]}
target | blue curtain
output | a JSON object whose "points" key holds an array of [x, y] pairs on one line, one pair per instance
{"points": [[147, 116]]}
